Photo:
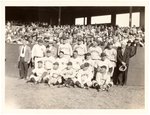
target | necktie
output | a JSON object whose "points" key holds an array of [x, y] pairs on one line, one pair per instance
{"points": [[23, 50]]}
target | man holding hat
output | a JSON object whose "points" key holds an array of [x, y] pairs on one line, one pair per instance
{"points": [[124, 53]]}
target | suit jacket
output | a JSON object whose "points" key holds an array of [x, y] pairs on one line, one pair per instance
{"points": [[129, 52], [27, 57]]}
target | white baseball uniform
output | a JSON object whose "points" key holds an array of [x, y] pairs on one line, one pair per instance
{"points": [[76, 63], [85, 77], [39, 72], [95, 52]]}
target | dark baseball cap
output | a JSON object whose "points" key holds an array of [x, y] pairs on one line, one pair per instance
{"points": [[40, 62], [86, 64], [56, 63], [69, 63], [103, 54]]}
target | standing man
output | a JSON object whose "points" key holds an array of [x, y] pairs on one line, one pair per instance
{"points": [[95, 51], [24, 59], [38, 50], [124, 53], [66, 48], [81, 48]]}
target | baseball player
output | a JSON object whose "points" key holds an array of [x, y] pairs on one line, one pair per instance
{"points": [[37, 73], [54, 76], [48, 60], [104, 61], [68, 75], [95, 51], [103, 80], [84, 77], [90, 61], [111, 55], [76, 61], [66, 48], [62, 60], [81, 48]]}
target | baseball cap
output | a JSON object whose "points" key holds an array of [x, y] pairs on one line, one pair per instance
{"points": [[88, 54], [61, 52], [69, 63], [103, 54], [56, 63], [40, 41], [103, 66], [86, 64], [110, 43], [129, 41], [40, 62], [48, 51]]}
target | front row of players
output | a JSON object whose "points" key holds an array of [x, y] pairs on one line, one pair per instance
{"points": [[98, 78]]}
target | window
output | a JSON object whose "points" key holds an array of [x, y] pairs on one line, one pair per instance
{"points": [[101, 19], [122, 20], [136, 19], [80, 21]]}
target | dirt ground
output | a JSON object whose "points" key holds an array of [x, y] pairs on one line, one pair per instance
{"points": [[21, 95]]}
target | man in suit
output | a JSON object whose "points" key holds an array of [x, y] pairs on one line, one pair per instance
{"points": [[124, 53], [24, 59]]}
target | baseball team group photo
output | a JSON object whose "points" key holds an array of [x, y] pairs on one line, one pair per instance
{"points": [[75, 57]]}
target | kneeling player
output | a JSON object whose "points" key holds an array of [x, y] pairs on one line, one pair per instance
{"points": [[54, 77], [84, 77], [37, 73], [68, 75], [103, 80]]}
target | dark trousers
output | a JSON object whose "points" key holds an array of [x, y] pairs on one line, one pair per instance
{"points": [[23, 68], [122, 77]]}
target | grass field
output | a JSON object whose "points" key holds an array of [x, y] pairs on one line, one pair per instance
{"points": [[19, 94]]}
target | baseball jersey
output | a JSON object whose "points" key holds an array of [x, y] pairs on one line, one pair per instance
{"points": [[90, 61], [68, 73], [38, 50], [84, 76], [76, 63], [48, 62], [38, 71], [82, 49], [106, 63], [66, 48], [102, 79], [95, 52], [62, 62], [111, 54], [55, 73]]}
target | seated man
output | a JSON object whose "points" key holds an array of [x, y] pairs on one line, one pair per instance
{"points": [[37, 73], [48, 60], [62, 60], [76, 61], [54, 77], [103, 80], [84, 77], [68, 75]]}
